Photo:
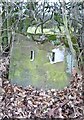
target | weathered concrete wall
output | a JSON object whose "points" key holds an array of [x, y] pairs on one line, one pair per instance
{"points": [[39, 73]]}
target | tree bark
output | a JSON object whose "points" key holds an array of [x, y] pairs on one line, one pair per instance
{"points": [[65, 21], [4, 32]]}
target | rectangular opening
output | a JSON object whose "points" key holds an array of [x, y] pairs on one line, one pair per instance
{"points": [[53, 56], [32, 55]]}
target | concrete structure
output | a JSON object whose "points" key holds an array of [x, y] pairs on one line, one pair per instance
{"points": [[40, 65]]}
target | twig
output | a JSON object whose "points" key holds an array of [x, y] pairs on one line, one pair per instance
{"points": [[5, 49], [80, 55]]}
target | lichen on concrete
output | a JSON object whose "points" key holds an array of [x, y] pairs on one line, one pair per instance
{"points": [[39, 73]]}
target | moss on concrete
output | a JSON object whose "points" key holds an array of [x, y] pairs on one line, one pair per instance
{"points": [[39, 73]]}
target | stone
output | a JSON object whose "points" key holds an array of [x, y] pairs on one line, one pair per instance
{"points": [[1, 98], [0, 73], [0, 82], [2, 91]]}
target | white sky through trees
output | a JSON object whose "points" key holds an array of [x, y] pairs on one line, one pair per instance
{"points": [[46, 0], [42, 0]]}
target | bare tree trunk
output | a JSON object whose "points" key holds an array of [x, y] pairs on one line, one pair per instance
{"points": [[41, 26], [83, 48], [4, 27], [67, 30]]}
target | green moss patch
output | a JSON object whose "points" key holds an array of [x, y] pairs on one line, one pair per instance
{"points": [[40, 72]]}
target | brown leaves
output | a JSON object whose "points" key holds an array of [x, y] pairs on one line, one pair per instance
{"points": [[30, 103]]}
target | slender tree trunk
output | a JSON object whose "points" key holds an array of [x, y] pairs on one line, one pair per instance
{"points": [[9, 23], [4, 27], [42, 19], [67, 33], [20, 25], [83, 48], [83, 74], [41, 26]]}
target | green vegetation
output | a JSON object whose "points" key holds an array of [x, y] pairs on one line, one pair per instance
{"points": [[50, 31]]}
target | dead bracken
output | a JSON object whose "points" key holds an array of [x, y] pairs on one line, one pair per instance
{"points": [[18, 102]]}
